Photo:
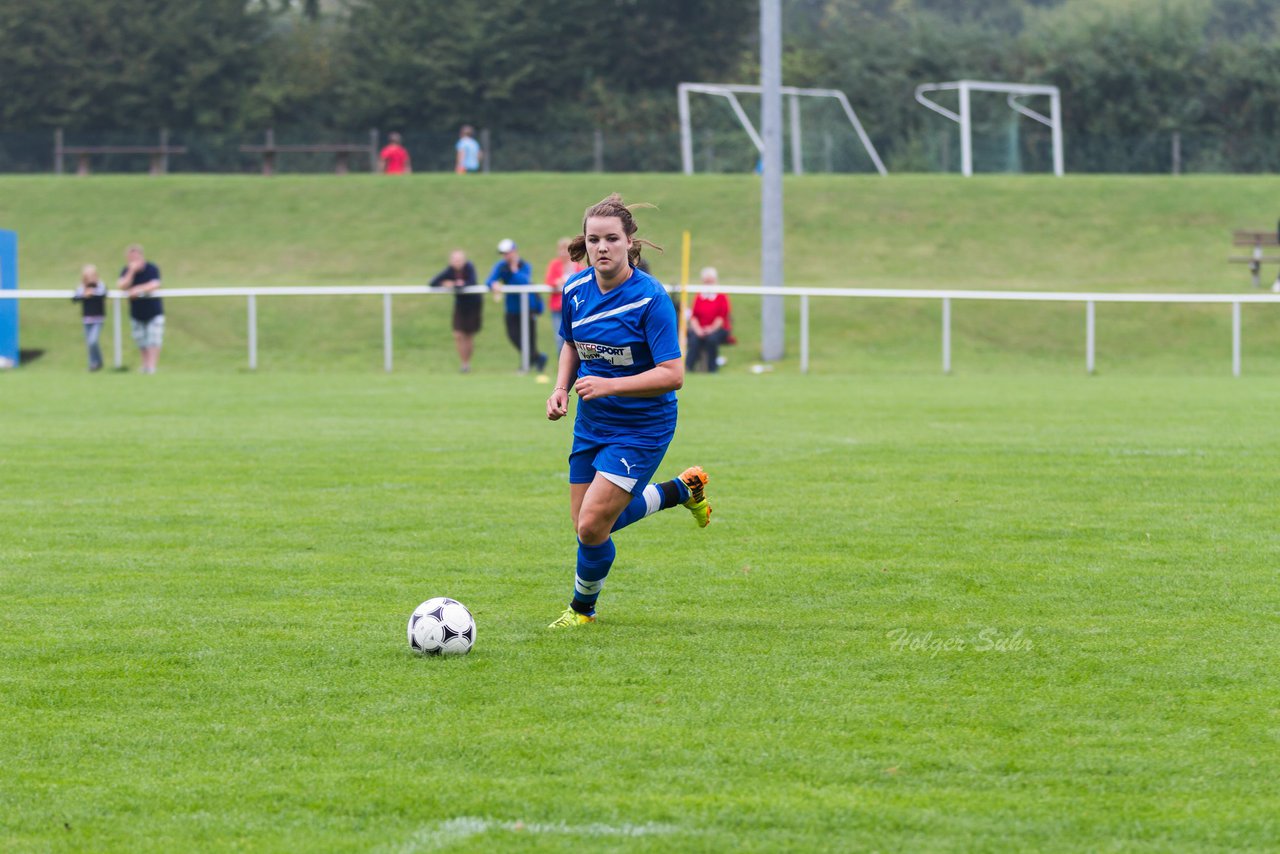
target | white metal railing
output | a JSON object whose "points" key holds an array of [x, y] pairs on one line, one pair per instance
{"points": [[804, 294]]}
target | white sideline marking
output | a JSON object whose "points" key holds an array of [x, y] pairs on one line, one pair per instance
{"points": [[444, 833]]}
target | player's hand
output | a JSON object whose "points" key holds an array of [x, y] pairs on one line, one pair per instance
{"points": [[557, 405], [589, 388]]}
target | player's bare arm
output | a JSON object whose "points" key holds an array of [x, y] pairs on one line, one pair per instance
{"points": [[660, 379], [558, 402]]}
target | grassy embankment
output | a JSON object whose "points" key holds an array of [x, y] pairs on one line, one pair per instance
{"points": [[1086, 233]]}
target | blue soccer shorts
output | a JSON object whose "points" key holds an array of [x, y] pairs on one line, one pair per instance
{"points": [[628, 465]]}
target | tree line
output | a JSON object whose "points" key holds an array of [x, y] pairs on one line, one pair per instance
{"points": [[1130, 70]]}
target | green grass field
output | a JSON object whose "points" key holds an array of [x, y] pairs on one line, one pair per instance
{"points": [[1016, 608], [983, 613]]}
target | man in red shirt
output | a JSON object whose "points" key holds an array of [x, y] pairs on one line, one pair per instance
{"points": [[395, 159]]}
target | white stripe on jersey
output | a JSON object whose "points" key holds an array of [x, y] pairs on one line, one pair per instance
{"points": [[578, 279], [611, 312]]}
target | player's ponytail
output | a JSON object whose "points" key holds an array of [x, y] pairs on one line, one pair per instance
{"points": [[612, 207]]}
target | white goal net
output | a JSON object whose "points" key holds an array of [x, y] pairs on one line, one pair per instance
{"points": [[730, 91]]}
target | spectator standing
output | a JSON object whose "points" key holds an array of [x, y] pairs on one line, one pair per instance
{"points": [[559, 271], [514, 270], [468, 152], [709, 325], [91, 293], [140, 282], [395, 157], [467, 308]]}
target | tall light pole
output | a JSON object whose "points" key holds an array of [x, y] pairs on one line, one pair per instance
{"points": [[773, 317]]}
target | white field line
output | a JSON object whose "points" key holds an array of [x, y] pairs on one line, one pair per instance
{"points": [[441, 834]]}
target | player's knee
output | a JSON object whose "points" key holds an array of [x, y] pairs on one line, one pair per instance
{"points": [[591, 530]]}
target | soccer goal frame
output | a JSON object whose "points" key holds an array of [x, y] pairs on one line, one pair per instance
{"points": [[1013, 91], [730, 92]]}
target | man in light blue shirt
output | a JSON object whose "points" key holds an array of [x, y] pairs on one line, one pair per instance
{"points": [[469, 153]]}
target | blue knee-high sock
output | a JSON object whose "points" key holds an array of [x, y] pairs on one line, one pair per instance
{"points": [[593, 565], [655, 497]]}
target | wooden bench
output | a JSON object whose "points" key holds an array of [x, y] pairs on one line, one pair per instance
{"points": [[159, 155], [1255, 260], [341, 152]]}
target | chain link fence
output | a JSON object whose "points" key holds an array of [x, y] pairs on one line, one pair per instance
{"points": [[827, 147]]}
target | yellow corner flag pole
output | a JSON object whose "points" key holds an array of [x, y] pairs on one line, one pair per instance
{"points": [[684, 293]]}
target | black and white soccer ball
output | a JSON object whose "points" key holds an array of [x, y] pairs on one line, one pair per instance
{"points": [[441, 626]]}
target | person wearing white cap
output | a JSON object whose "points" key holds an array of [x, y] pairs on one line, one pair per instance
{"points": [[514, 270]]}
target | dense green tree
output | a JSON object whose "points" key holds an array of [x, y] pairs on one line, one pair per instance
{"points": [[125, 64], [1244, 19], [1124, 71], [303, 65], [878, 51], [515, 64], [1132, 73]]}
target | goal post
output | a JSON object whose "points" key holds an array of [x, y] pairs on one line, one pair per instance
{"points": [[1012, 92], [730, 92]]}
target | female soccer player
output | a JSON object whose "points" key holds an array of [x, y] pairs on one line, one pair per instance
{"points": [[621, 355]]}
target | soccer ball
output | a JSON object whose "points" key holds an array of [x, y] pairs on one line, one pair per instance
{"points": [[441, 626]]}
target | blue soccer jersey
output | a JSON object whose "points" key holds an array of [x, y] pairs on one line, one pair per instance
{"points": [[619, 334]]}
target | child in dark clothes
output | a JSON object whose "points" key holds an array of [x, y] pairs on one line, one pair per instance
{"points": [[91, 293]]}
